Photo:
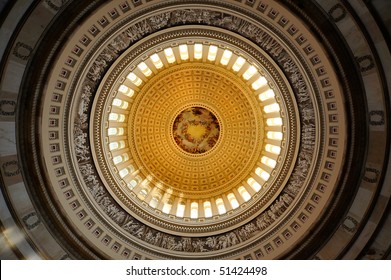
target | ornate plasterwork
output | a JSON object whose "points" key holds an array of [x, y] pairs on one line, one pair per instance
{"points": [[162, 99], [255, 229]]}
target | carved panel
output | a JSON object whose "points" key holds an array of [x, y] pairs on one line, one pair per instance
{"points": [[371, 175], [22, 50], [7, 108], [377, 118], [31, 220], [350, 224], [337, 12], [365, 62], [55, 4], [10, 168]]}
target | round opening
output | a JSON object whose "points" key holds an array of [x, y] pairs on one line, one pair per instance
{"points": [[196, 130]]}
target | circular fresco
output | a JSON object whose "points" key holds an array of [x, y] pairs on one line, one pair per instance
{"points": [[196, 130]]}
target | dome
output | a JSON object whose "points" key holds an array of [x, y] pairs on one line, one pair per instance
{"points": [[195, 130]]}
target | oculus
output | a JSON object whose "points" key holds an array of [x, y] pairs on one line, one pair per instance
{"points": [[196, 130]]}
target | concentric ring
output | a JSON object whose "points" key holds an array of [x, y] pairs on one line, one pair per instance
{"points": [[180, 187]]}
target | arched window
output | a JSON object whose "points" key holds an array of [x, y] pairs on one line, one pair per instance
{"points": [[269, 162], [145, 69], [180, 211], [123, 172], [194, 210], [156, 61], [271, 108], [220, 206], [238, 64], [126, 90], [266, 95], [134, 79], [142, 194], [132, 184], [226, 57], [207, 209], [233, 201], [244, 193], [183, 52], [262, 173], [169, 55], [274, 135], [254, 184], [117, 145], [154, 202], [212, 53], [197, 51], [274, 122]]}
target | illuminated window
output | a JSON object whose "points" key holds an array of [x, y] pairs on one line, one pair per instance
{"points": [[220, 206], [126, 90], [123, 172], [232, 200], [116, 117], [274, 122], [194, 210], [113, 117], [273, 149], [169, 55], [274, 135], [117, 102], [272, 108], [112, 131], [124, 105], [117, 145], [167, 208], [134, 79], [212, 53], [156, 61], [120, 131], [226, 57], [262, 173], [113, 146], [260, 82], [143, 193], [269, 162], [120, 158], [180, 211], [132, 184], [121, 118], [244, 193], [154, 202], [117, 159], [266, 95], [197, 51], [254, 184], [144, 69], [183, 52], [120, 103], [121, 144], [249, 72], [207, 209], [238, 64]]}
